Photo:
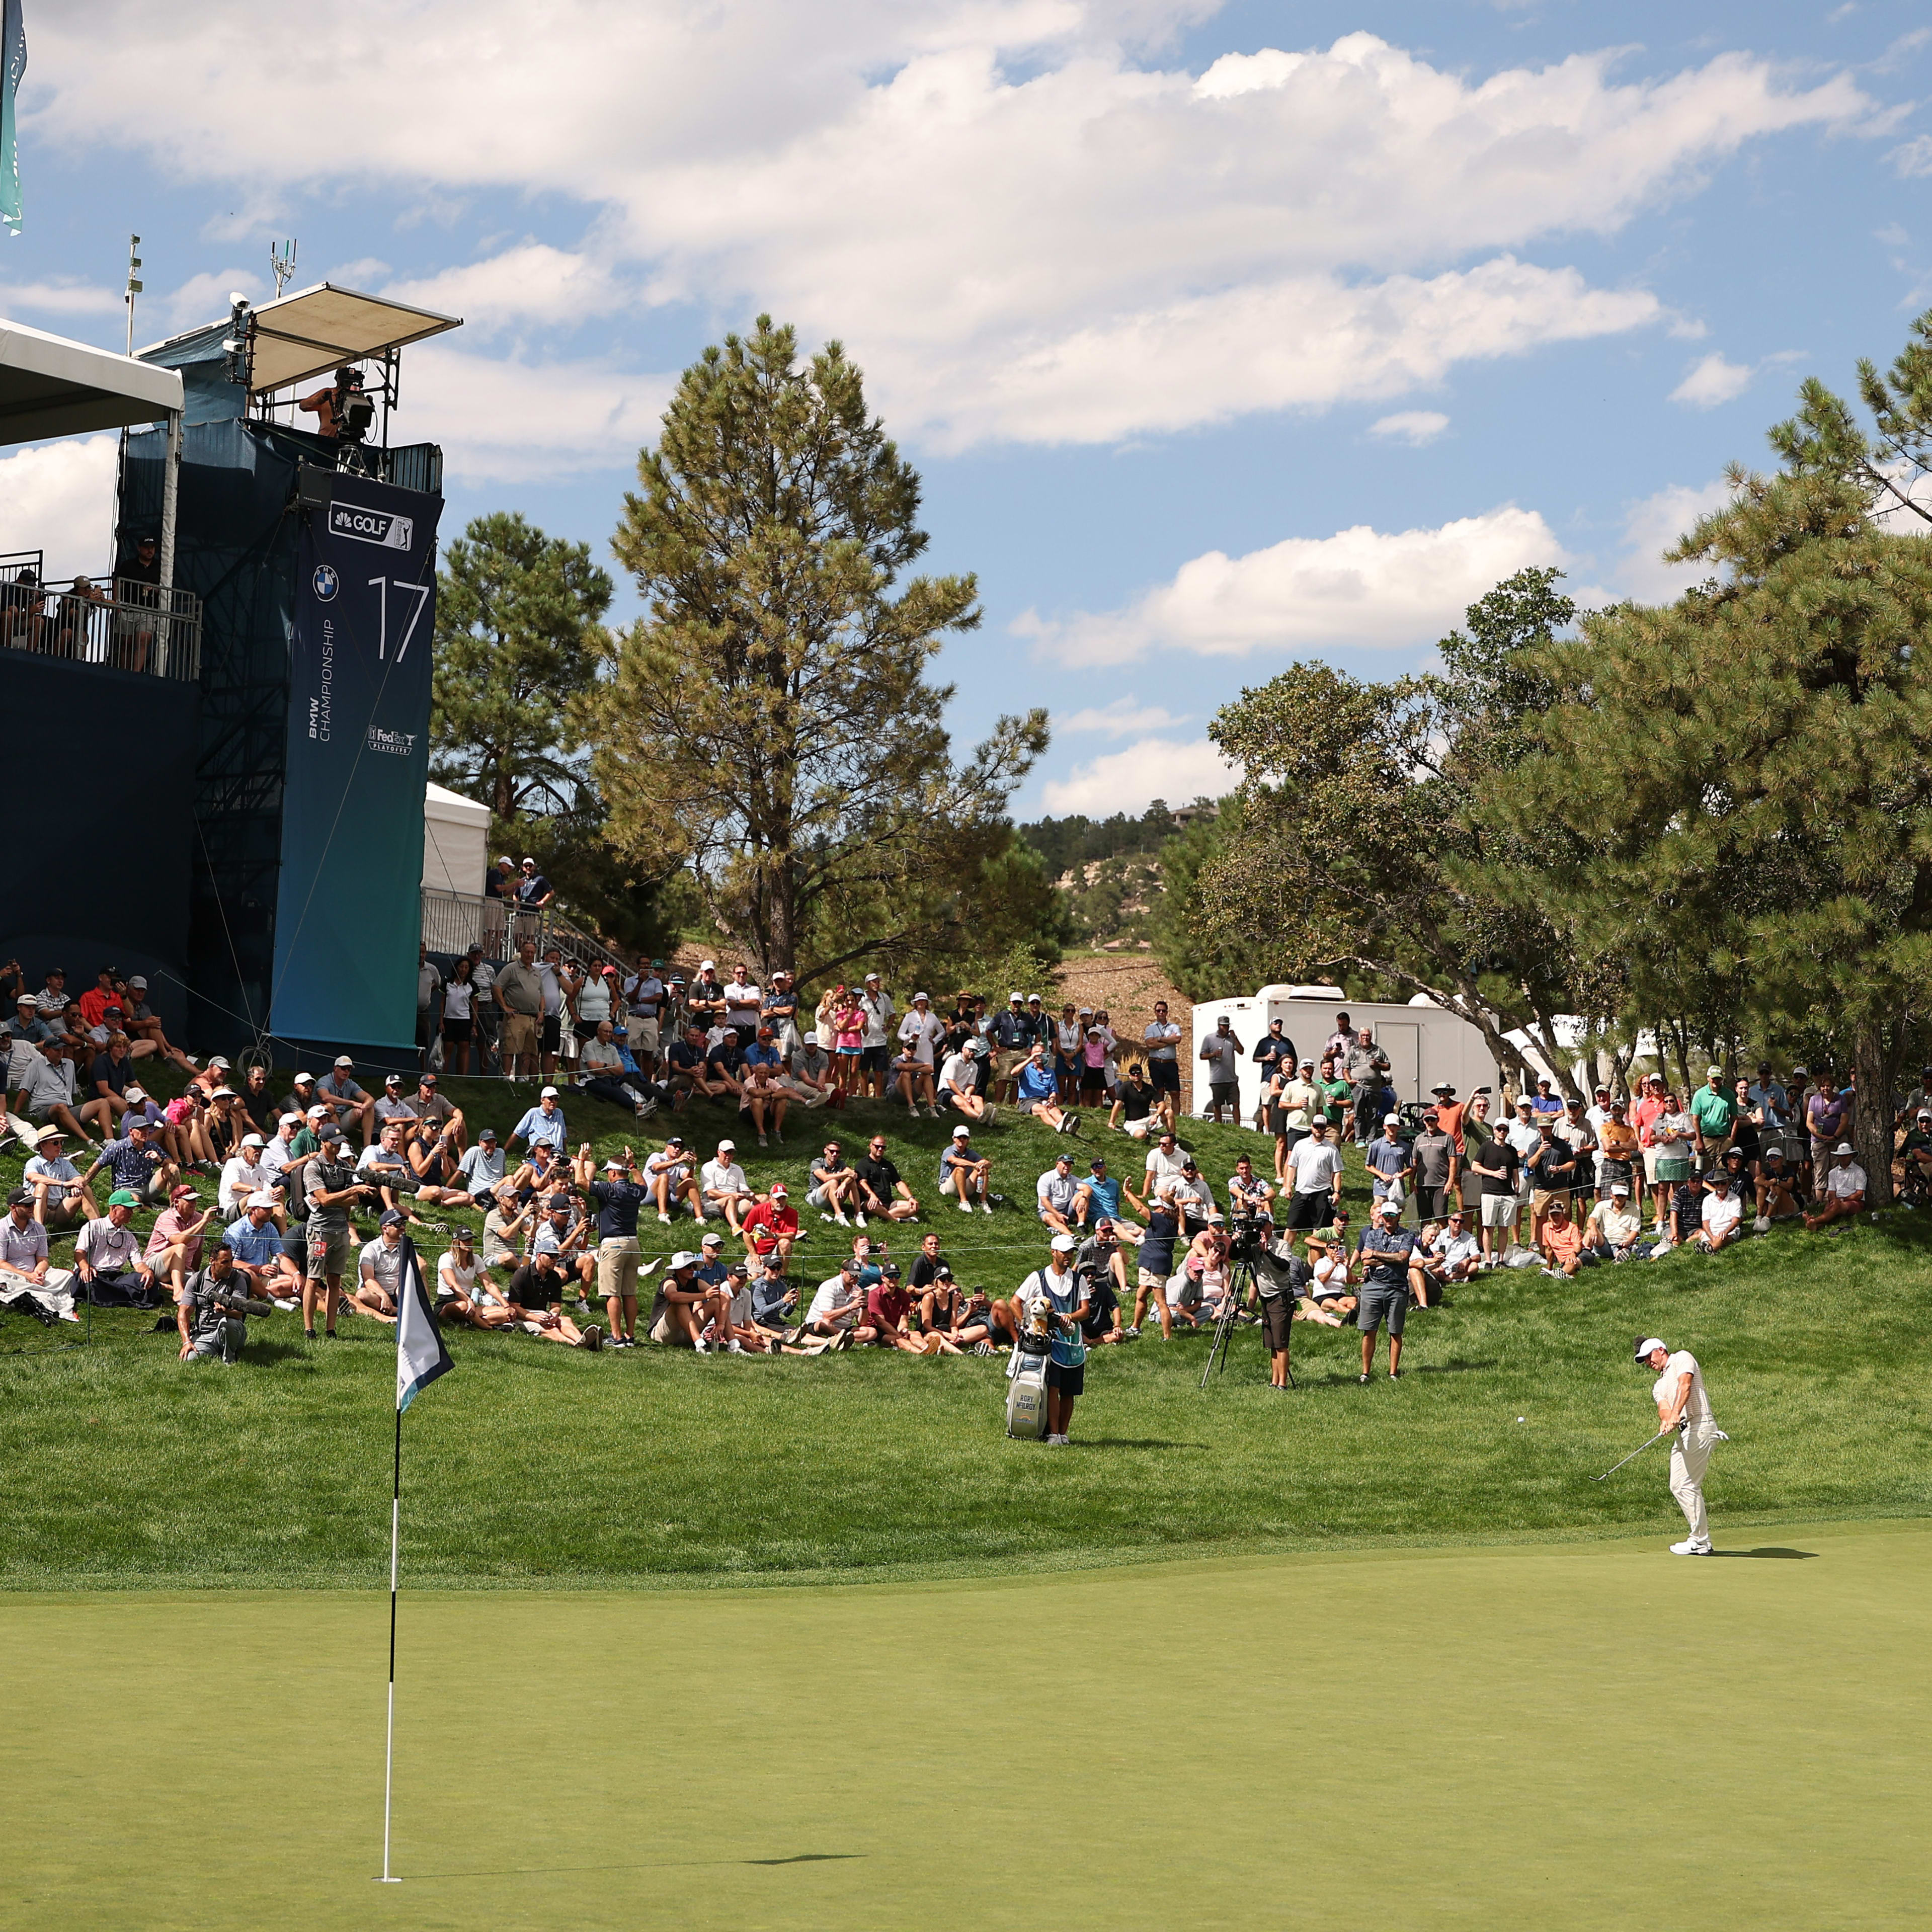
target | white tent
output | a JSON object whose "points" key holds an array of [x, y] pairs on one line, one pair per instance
{"points": [[456, 842], [50, 386]]}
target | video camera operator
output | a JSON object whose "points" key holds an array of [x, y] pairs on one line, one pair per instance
{"points": [[342, 410]]}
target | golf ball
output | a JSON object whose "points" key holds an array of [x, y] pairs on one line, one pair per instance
{"points": [[1519, 1418]]}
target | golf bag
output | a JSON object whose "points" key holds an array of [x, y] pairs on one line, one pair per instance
{"points": [[1026, 1396]]}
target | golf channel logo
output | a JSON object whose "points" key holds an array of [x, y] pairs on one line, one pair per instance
{"points": [[374, 527], [326, 583]]}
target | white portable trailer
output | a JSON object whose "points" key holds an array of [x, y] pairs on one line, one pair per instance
{"points": [[1425, 1043]]}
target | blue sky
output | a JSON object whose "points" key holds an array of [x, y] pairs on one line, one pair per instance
{"points": [[1222, 335]]}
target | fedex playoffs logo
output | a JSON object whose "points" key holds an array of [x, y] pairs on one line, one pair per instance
{"points": [[375, 526]]}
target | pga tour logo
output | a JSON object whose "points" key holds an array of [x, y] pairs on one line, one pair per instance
{"points": [[397, 744], [375, 526]]}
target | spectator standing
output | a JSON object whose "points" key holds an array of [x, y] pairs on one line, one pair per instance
{"points": [[1387, 1158], [1384, 1251], [1713, 1112], [519, 992], [618, 1199], [1433, 1154], [1221, 1051], [1366, 1067], [1161, 1041], [1315, 1176]]}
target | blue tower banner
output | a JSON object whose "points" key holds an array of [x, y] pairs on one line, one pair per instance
{"points": [[348, 911]]}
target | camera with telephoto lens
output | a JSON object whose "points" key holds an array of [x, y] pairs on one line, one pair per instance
{"points": [[1247, 1234]]}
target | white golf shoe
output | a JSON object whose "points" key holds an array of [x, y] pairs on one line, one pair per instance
{"points": [[1690, 1549]]}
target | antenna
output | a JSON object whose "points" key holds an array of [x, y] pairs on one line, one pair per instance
{"points": [[284, 265], [133, 286]]}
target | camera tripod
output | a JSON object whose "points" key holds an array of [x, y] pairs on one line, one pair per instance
{"points": [[1242, 1280]]}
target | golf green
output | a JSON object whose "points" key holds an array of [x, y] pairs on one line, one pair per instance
{"points": [[1582, 1735]]}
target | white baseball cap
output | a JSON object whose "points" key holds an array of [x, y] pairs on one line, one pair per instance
{"points": [[1387, 1206], [1391, 1120], [707, 965], [872, 979], [341, 1060], [684, 1258], [712, 1240], [1617, 1187], [252, 1140], [1650, 1345], [289, 1120], [962, 1133], [548, 1093], [1064, 1244], [261, 1201], [141, 1093], [728, 1146]]}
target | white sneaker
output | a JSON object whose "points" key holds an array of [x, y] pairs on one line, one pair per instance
{"points": [[858, 1220], [1690, 1549], [737, 1348], [665, 1218], [965, 1207], [985, 1207], [841, 1220], [701, 1347]]}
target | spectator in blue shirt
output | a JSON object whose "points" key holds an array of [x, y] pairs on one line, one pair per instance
{"points": [[1390, 1161], [1100, 1199], [1039, 1093], [542, 1126], [257, 1242], [137, 1164]]}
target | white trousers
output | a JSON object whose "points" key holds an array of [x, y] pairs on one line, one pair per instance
{"points": [[1692, 1452]]}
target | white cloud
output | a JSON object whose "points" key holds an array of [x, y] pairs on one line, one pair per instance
{"points": [[1652, 526], [532, 282], [1124, 715], [1360, 587], [58, 497], [1712, 381], [63, 295], [1021, 223], [1413, 427], [1129, 781], [513, 421], [1912, 158]]}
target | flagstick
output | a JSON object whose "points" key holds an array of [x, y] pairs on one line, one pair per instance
{"points": [[395, 1535]]}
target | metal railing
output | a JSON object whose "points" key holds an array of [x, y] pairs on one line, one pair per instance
{"points": [[138, 628], [452, 922]]}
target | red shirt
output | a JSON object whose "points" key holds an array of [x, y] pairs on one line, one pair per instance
{"points": [[887, 1306], [1449, 1118], [768, 1223], [1644, 1116], [94, 1005]]}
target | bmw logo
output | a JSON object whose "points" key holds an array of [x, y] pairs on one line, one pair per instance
{"points": [[326, 583]]}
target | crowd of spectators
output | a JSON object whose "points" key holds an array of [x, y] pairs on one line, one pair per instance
{"points": [[1462, 1186]]}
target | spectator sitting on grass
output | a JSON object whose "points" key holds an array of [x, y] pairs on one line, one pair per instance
{"points": [[1722, 1217], [962, 1172], [959, 1082], [1561, 1240], [1100, 1262], [1843, 1194], [255, 1242], [143, 1167], [26, 1281], [390, 1104], [835, 1319], [835, 1187], [881, 1192], [506, 1228], [810, 1077], [668, 1179], [61, 1196], [773, 1297], [683, 1306], [349, 1106], [280, 1152], [481, 1169], [1332, 1286], [430, 1152], [724, 1189], [114, 1272], [242, 1174], [561, 1232], [385, 1168], [543, 1125], [45, 1090], [770, 1227], [763, 1096], [942, 1318], [1037, 1091], [1057, 1192], [1454, 1253], [464, 1291], [1133, 1109], [539, 1174], [378, 1289], [175, 1242], [889, 1309], [536, 1292], [604, 1074], [1099, 1199], [1615, 1225], [1779, 1184]]}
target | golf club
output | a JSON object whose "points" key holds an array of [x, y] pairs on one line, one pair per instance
{"points": [[1635, 1454]]}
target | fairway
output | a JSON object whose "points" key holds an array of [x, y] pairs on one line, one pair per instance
{"points": [[1580, 1736]]}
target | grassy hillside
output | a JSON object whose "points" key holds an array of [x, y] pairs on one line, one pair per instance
{"points": [[534, 1462]]}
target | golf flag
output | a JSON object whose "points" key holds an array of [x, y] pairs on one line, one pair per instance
{"points": [[14, 54], [420, 1355]]}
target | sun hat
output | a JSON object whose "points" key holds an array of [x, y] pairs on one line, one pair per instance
{"points": [[1843, 1147], [683, 1258]]}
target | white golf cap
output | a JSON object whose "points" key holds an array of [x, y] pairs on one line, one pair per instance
{"points": [[684, 1258], [707, 965], [318, 1113], [252, 1140], [1617, 1187], [962, 1133], [728, 1146], [261, 1201], [1713, 1073], [1843, 1147], [872, 979], [1064, 1244], [1387, 1206], [289, 1120], [548, 1093], [1650, 1345], [616, 1161], [304, 1079], [1391, 1120], [341, 1060], [141, 1093], [218, 1061], [1015, 995], [712, 1240]]}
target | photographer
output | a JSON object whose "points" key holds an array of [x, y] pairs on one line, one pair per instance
{"points": [[212, 1309]]}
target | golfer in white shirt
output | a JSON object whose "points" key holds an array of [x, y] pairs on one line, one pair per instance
{"points": [[1682, 1405]]}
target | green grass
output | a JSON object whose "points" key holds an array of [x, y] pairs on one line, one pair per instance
{"points": [[1579, 1739], [537, 1463]]}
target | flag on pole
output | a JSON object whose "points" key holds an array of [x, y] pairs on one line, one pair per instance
{"points": [[420, 1355], [13, 55]]}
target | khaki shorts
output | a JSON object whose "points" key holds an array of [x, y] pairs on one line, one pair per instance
{"points": [[328, 1254], [617, 1267], [1650, 1165], [643, 1036], [520, 1033], [665, 1336]]}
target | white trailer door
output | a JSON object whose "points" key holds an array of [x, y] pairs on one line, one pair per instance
{"points": [[1403, 1045]]}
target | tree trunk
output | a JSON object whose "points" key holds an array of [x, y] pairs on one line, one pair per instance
{"points": [[1875, 1065]]}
